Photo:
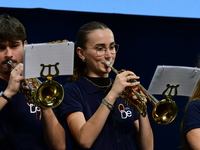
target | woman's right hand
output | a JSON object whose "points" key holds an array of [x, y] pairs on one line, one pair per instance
{"points": [[121, 82]]}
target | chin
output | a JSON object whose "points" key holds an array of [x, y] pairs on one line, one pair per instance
{"points": [[107, 70]]}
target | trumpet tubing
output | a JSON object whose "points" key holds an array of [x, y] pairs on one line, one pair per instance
{"points": [[164, 111]]}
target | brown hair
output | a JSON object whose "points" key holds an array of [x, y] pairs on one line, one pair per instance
{"points": [[11, 29], [81, 40]]}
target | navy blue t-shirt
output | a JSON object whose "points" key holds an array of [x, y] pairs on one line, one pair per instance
{"points": [[192, 116], [19, 128], [118, 132]]}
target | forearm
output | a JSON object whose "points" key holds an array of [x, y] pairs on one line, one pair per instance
{"points": [[86, 131], [3, 101], [54, 133], [91, 129], [146, 139]]}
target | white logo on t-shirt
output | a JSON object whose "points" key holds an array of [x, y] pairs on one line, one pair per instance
{"points": [[125, 112]]}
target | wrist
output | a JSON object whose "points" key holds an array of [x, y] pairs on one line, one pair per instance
{"points": [[110, 106], [2, 94], [112, 96]]}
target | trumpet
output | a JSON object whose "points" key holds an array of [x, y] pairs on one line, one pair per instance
{"points": [[164, 111], [48, 94]]}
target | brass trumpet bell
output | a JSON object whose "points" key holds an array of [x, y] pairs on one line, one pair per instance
{"points": [[164, 112], [49, 94]]}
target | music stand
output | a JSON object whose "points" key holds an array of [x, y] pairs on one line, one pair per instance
{"points": [[186, 77]]}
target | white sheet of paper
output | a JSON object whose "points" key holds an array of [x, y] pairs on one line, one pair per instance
{"points": [[186, 77], [37, 54]]}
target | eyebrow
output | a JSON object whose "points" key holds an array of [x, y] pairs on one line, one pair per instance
{"points": [[104, 44], [15, 42], [10, 43]]}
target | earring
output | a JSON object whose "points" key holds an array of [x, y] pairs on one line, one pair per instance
{"points": [[83, 60]]}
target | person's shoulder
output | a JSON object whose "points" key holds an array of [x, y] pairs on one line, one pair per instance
{"points": [[72, 84], [67, 85], [194, 104]]}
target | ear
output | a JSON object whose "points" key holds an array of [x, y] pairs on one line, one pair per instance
{"points": [[25, 42], [80, 53]]}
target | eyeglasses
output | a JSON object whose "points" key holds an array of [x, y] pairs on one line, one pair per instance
{"points": [[101, 50]]}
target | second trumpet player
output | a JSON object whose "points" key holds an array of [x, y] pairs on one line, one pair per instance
{"points": [[93, 107]]}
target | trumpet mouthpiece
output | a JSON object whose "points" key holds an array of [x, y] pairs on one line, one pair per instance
{"points": [[10, 62], [108, 64]]}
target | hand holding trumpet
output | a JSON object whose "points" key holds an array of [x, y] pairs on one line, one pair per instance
{"points": [[15, 80], [122, 81], [164, 111], [127, 87]]}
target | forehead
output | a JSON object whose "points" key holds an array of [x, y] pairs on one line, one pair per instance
{"points": [[100, 36]]}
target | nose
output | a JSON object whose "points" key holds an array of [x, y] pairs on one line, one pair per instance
{"points": [[8, 52], [108, 53]]}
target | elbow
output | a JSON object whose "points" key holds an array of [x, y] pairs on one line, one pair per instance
{"points": [[85, 143], [59, 148]]}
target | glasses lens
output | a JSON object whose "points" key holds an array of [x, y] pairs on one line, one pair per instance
{"points": [[116, 48], [102, 50]]}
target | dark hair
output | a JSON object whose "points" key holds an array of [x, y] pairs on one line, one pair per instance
{"points": [[81, 40], [11, 29]]}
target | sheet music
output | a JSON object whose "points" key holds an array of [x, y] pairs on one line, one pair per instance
{"points": [[186, 77], [37, 54]]}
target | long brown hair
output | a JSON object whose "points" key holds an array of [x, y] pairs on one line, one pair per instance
{"points": [[81, 40]]}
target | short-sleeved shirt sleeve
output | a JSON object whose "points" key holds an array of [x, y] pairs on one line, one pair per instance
{"points": [[192, 116]]}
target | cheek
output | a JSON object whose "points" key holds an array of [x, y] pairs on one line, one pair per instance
{"points": [[1, 56], [92, 57], [113, 58], [19, 55]]}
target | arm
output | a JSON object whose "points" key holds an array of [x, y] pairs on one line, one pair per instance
{"points": [[3, 102], [144, 133], [13, 85], [54, 133], [145, 139], [193, 137], [86, 132]]}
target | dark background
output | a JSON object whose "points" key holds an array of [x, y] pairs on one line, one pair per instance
{"points": [[145, 42]]}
